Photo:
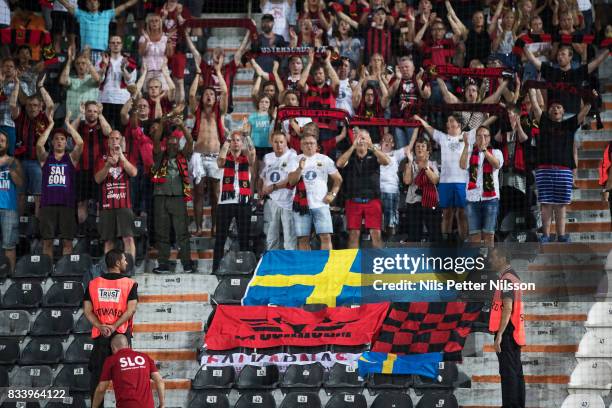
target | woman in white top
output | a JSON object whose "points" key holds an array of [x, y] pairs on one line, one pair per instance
{"points": [[152, 47]]}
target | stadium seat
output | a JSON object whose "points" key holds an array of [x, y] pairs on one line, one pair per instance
{"points": [[4, 377], [583, 401], [82, 325], [20, 404], [74, 377], [23, 294], [296, 399], [14, 322], [53, 322], [388, 381], [140, 226], [27, 226], [438, 399], [42, 350], [392, 399], [72, 401], [5, 267], [447, 376], [358, 349], [230, 290], [343, 377], [592, 377], [31, 376], [73, 265], [208, 399], [67, 293], [79, 349], [302, 377], [33, 266], [346, 400], [237, 263], [256, 399], [594, 345], [600, 315], [257, 377], [9, 350], [214, 377]]}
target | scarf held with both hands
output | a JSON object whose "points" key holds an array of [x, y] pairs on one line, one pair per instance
{"points": [[488, 187]]}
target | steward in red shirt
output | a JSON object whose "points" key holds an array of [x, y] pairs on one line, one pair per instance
{"points": [[131, 372]]}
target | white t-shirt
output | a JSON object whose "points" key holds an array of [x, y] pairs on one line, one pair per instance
{"points": [[584, 5], [281, 12], [316, 170], [5, 13], [389, 179], [276, 169], [452, 147], [475, 194], [344, 100], [112, 91]]}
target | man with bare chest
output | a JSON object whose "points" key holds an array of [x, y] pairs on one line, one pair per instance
{"points": [[208, 134]]}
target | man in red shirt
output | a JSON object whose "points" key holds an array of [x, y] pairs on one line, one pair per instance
{"points": [[131, 372]]}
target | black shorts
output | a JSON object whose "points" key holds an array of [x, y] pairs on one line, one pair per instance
{"points": [[55, 219], [62, 21], [86, 186], [116, 223]]}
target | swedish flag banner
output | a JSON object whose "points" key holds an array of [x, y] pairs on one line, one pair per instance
{"points": [[359, 276], [387, 363]]}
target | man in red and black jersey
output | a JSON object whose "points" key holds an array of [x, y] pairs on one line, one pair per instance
{"points": [[378, 37], [94, 130], [113, 172], [30, 123], [438, 50]]}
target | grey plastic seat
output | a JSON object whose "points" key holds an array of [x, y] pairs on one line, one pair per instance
{"points": [[82, 325], [31, 376], [72, 401], [75, 377], [230, 290], [237, 263], [53, 322], [438, 399], [346, 400], [390, 399], [214, 377], [79, 349], [10, 350], [343, 377], [256, 399], [22, 294], [208, 399], [257, 377], [14, 322], [4, 376], [302, 377], [73, 265], [301, 400], [33, 266], [42, 350], [64, 294]]}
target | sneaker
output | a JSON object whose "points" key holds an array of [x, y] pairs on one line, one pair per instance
{"points": [[161, 269], [189, 268], [563, 238], [544, 239]]}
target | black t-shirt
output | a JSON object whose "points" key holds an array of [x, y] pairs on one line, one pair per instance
{"points": [[265, 61], [133, 295], [555, 143], [477, 46], [575, 77], [362, 177]]}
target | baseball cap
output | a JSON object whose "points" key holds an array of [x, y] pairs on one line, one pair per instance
{"points": [[268, 17]]}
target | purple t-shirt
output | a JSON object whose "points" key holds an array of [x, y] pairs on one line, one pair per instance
{"points": [[58, 182]]}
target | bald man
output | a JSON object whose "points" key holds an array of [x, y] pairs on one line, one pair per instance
{"points": [[130, 372]]}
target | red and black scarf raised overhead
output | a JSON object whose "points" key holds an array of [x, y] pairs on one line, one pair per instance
{"points": [[244, 178], [488, 187], [300, 199], [160, 174]]}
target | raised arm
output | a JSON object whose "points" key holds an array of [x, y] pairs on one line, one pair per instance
{"points": [[104, 125], [428, 128], [537, 109], [598, 60], [120, 9], [354, 24], [496, 96], [13, 100], [170, 83], [446, 94], [125, 111], [75, 154], [71, 9], [240, 52], [64, 78], [494, 20], [47, 100], [334, 81], [41, 153], [222, 89], [259, 70], [306, 72], [143, 77], [584, 111], [455, 22], [223, 154], [188, 147], [536, 62]]}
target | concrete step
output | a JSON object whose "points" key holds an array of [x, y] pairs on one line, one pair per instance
{"points": [[188, 312], [160, 288], [537, 396], [160, 338], [588, 205]]}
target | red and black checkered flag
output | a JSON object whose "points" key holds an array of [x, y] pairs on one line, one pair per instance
{"points": [[421, 327]]}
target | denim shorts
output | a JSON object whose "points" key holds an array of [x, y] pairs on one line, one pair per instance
{"points": [[482, 216], [390, 202], [33, 177], [10, 228], [321, 217]]}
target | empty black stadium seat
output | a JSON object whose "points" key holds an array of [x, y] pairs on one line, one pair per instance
{"points": [[237, 263], [4, 377], [72, 401], [32, 376], [9, 350], [5, 267], [230, 290], [257, 399], [82, 325], [73, 265], [20, 404], [64, 294], [300, 399], [389, 399], [53, 322], [301, 377], [42, 350], [22, 294], [437, 399], [257, 377], [208, 399], [14, 322], [33, 266], [74, 377], [347, 400], [447, 376], [343, 377], [79, 349], [214, 377], [388, 381]]}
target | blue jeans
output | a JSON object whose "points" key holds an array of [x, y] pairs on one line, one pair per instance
{"points": [[401, 136], [390, 202], [33, 177], [482, 216]]}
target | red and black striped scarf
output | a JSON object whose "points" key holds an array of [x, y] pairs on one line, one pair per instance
{"points": [[300, 200], [429, 194], [160, 174], [518, 158], [488, 187], [244, 178]]}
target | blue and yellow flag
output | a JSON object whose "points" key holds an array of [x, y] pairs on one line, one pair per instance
{"points": [[386, 363], [346, 277]]}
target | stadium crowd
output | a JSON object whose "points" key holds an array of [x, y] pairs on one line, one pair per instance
{"points": [[433, 110]]}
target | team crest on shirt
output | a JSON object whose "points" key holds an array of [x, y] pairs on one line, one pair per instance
{"points": [[109, 295]]}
